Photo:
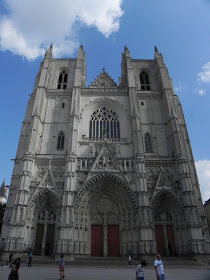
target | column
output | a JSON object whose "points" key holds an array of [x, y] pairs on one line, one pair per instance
{"points": [[44, 239]]}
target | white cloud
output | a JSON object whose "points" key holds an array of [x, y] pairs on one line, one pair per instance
{"points": [[200, 91], [204, 76], [179, 87], [31, 26], [203, 171]]}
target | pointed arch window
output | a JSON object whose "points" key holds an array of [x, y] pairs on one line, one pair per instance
{"points": [[144, 80], [104, 121], [148, 143], [62, 80], [60, 144]]}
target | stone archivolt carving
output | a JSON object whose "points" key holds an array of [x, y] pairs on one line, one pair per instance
{"points": [[43, 200], [50, 174], [163, 215], [47, 213], [167, 207], [41, 172], [105, 161], [103, 201], [131, 179], [105, 212]]}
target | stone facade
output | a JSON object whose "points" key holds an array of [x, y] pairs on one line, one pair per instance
{"points": [[105, 169], [207, 212]]}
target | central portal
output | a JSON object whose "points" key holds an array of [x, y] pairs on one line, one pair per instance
{"points": [[105, 218], [103, 238]]}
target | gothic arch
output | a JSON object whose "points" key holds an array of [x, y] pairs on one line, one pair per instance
{"points": [[48, 192], [145, 80], [58, 72], [111, 178], [43, 215], [169, 222], [111, 104], [109, 187], [168, 193]]}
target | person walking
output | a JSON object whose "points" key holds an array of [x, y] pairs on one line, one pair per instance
{"points": [[10, 258], [14, 270], [159, 268], [61, 267], [129, 260], [140, 270], [30, 255]]}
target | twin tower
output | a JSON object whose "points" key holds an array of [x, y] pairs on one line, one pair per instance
{"points": [[105, 169]]}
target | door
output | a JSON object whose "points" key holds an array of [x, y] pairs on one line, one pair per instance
{"points": [[97, 241], [170, 237], [38, 240], [113, 241], [160, 240], [50, 240]]}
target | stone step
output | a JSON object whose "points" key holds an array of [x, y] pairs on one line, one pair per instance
{"points": [[113, 261]]}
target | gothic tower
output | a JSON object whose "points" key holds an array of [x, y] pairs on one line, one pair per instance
{"points": [[104, 169]]}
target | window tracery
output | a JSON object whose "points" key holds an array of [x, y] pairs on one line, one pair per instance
{"points": [[47, 213], [62, 80], [60, 144], [148, 143], [163, 215], [144, 80], [104, 122]]}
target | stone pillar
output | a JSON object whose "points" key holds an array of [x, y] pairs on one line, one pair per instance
{"points": [[44, 239]]}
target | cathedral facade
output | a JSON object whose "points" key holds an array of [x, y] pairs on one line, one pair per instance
{"points": [[105, 169]]}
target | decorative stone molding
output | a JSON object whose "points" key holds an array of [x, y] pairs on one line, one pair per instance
{"points": [[103, 81], [114, 180]]}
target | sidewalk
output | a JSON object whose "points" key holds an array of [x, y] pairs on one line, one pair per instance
{"points": [[101, 273]]}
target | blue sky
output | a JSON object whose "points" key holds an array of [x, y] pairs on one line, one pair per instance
{"points": [[180, 29]]}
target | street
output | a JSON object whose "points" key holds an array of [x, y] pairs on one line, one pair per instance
{"points": [[103, 273]]}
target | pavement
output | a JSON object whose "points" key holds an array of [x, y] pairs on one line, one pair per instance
{"points": [[105, 273]]}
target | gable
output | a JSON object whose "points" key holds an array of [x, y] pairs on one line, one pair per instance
{"points": [[103, 81]]}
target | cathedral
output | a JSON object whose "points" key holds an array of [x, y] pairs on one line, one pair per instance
{"points": [[106, 169]]}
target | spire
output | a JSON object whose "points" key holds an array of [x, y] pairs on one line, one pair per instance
{"points": [[80, 51], [48, 52], [2, 189], [3, 196], [158, 56], [156, 52], [126, 51]]}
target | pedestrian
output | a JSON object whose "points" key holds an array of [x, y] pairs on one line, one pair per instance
{"points": [[30, 255], [140, 270], [10, 258], [129, 260], [159, 268], [14, 270], [61, 267]]}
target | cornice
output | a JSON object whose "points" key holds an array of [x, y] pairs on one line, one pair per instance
{"points": [[101, 140], [61, 92], [104, 91], [142, 60], [150, 93], [159, 160], [61, 59]]}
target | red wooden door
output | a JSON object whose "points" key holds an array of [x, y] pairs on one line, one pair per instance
{"points": [[160, 240], [97, 241], [170, 237], [113, 241]]}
